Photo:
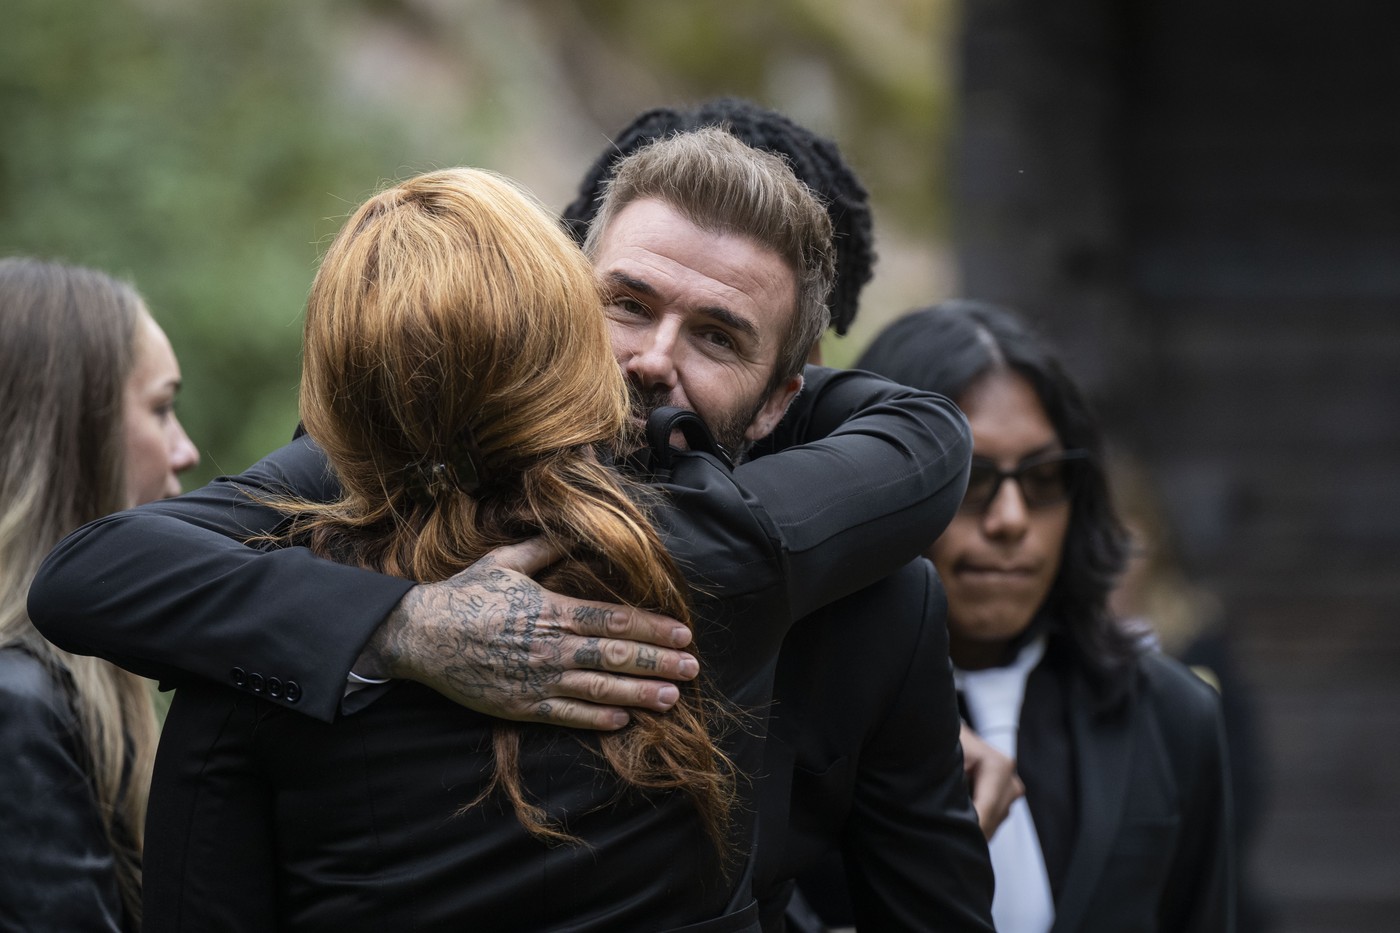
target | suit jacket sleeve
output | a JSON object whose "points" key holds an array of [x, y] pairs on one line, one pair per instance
{"points": [[169, 590], [865, 474], [914, 853], [56, 866], [1200, 894]]}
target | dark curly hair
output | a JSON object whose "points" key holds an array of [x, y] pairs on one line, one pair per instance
{"points": [[948, 347], [814, 159]]}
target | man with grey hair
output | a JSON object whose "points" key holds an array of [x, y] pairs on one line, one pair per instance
{"points": [[738, 368], [870, 768], [779, 217], [703, 313]]}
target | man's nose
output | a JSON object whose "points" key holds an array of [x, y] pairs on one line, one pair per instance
{"points": [[652, 362]]}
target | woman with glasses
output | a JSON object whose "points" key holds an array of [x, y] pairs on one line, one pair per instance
{"points": [[1125, 820]]}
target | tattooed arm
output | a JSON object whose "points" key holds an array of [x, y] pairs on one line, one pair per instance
{"points": [[492, 639], [169, 590]]}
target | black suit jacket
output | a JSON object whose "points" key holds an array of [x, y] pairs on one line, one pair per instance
{"points": [[169, 591], [863, 759], [1140, 767]]}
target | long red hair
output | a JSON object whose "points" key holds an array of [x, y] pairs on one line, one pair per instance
{"points": [[459, 376]]}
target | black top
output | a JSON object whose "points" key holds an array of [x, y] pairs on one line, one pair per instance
{"points": [[57, 871]]}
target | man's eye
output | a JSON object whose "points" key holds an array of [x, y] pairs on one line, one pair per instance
{"points": [[628, 305], [720, 339]]}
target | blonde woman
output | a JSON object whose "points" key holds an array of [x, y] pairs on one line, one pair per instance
{"points": [[87, 385]]}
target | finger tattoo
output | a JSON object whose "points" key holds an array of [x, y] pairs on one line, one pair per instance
{"points": [[589, 655], [592, 618]]}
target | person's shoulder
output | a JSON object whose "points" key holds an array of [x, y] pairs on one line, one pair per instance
{"points": [[31, 693], [896, 607], [884, 633], [1184, 702], [890, 641], [26, 680], [1164, 674], [915, 583]]}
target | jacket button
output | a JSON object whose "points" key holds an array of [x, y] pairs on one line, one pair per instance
{"points": [[255, 682], [274, 687], [238, 676], [292, 691]]}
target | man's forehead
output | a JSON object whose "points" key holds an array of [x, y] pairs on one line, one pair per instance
{"points": [[651, 248], [616, 280]]}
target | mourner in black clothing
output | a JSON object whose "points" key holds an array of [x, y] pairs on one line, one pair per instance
{"points": [[872, 770], [1126, 821]]}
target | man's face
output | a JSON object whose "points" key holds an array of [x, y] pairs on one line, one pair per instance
{"points": [[697, 319]]}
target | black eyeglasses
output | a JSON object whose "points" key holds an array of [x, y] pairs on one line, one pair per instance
{"points": [[1044, 480]]}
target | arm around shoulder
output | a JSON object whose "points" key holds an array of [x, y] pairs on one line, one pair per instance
{"points": [[170, 590], [859, 478]]}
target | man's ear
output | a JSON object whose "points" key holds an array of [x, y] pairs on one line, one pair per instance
{"points": [[774, 407]]}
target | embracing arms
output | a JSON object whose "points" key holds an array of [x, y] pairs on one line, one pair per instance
{"points": [[170, 590], [859, 478]]}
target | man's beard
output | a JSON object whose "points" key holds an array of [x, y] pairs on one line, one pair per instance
{"points": [[728, 429]]}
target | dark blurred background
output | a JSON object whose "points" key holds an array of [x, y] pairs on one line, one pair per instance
{"points": [[1200, 201]]}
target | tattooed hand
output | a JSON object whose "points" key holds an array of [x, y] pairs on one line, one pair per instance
{"points": [[492, 639]]}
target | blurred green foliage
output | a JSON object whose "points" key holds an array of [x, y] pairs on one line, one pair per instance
{"points": [[197, 150], [870, 75], [207, 150]]}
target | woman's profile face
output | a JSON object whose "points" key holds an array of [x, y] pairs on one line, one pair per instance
{"points": [[156, 448], [998, 563]]}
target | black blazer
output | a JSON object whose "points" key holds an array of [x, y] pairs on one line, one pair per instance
{"points": [[169, 591], [863, 759], [1141, 767]]}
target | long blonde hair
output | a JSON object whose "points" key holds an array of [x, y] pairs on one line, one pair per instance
{"points": [[459, 376], [67, 348]]}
